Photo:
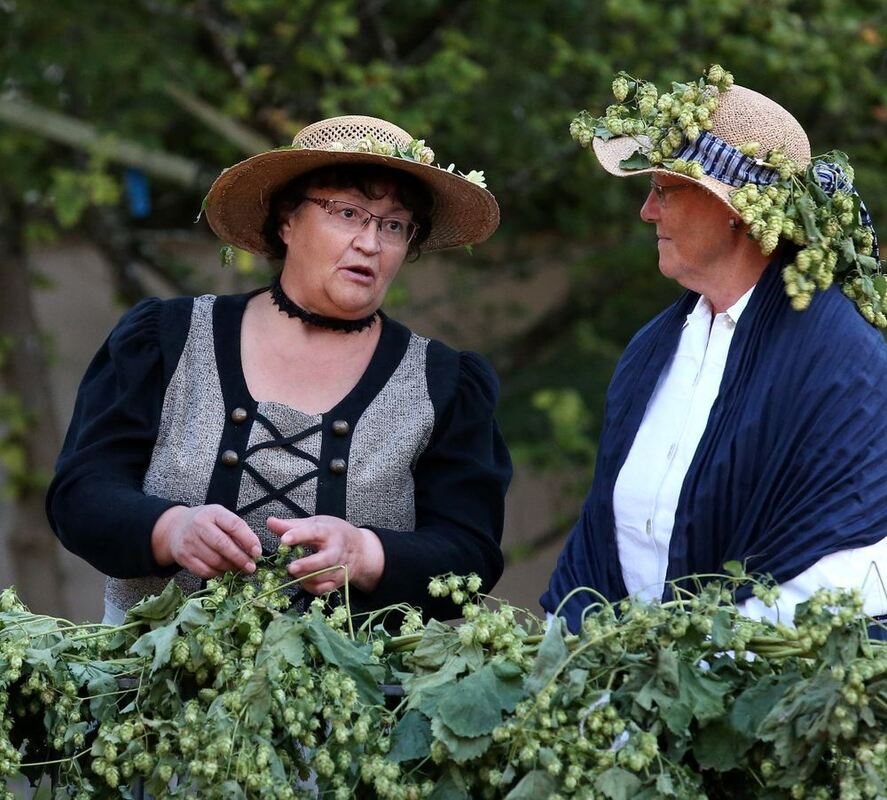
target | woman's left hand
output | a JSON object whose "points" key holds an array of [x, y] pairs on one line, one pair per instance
{"points": [[335, 542]]}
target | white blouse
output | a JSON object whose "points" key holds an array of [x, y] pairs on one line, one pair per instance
{"points": [[647, 489]]}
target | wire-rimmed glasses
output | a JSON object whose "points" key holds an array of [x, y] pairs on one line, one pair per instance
{"points": [[352, 218], [661, 191]]}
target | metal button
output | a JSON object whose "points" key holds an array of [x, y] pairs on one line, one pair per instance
{"points": [[230, 458], [239, 415], [341, 427], [338, 466]]}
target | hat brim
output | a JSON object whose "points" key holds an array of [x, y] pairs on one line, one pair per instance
{"points": [[238, 202], [612, 152]]}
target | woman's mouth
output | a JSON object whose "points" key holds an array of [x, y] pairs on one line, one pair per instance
{"points": [[360, 274]]}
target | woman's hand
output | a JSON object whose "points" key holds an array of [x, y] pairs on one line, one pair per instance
{"points": [[334, 542], [207, 540]]}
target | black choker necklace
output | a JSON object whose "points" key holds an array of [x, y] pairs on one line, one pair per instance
{"points": [[291, 309]]}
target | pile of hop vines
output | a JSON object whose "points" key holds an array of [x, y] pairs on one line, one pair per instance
{"points": [[825, 229], [228, 693]]}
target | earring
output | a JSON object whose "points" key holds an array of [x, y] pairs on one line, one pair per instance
{"points": [[734, 223]]}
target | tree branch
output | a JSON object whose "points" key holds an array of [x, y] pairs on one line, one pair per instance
{"points": [[229, 129], [68, 130]]}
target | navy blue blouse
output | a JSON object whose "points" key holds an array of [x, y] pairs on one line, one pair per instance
{"points": [[98, 506]]}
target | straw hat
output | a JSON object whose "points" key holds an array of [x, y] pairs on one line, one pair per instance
{"points": [[742, 116], [238, 201]]}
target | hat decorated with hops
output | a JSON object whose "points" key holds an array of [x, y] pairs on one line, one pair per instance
{"points": [[238, 201], [753, 155]]}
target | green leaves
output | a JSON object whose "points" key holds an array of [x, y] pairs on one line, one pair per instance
{"points": [[451, 786], [411, 739], [552, 654], [439, 642], [753, 705], [460, 748], [157, 607], [717, 746], [257, 696], [474, 705], [533, 786], [283, 640], [618, 784], [799, 724], [351, 657], [156, 645], [681, 694], [636, 161], [427, 691]]}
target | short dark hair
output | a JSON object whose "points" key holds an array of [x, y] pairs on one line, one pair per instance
{"points": [[371, 180]]}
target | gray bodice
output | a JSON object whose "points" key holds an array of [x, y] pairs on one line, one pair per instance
{"points": [[216, 444]]}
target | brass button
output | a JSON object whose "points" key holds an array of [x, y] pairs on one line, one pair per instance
{"points": [[341, 427], [338, 466], [230, 458], [239, 415]]}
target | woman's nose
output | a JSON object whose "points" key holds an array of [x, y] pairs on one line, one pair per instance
{"points": [[368, 238], [650, 210]]}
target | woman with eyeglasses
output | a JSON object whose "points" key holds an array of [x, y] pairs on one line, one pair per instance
{"points": [[209, 430], [746, 422]]}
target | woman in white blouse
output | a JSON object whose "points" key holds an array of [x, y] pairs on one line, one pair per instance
{"points": [[745, 422]]}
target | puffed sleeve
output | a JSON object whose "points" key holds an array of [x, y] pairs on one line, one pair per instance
{"points": [[95, 502], [460, 484]]}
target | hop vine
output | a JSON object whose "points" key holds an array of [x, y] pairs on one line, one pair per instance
{"points": [[229, 692]]}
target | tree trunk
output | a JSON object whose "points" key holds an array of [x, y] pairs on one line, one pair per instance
{"points": [[34, 550]]}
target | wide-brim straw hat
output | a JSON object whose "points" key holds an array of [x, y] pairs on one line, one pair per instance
{"points": [[742, 116], [237, 204]]}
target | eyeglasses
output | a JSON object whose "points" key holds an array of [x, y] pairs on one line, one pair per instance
{"points": [[351, 218], [662, 191]]}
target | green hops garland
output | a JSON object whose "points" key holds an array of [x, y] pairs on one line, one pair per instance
{"points": [[665, 119], [833, 243]]}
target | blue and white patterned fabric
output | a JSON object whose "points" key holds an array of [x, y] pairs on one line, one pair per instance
{"points": [[833, 179], [724, 162]]}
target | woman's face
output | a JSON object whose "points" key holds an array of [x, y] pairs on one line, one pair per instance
{"points": [[336, 272], [692, 231]]}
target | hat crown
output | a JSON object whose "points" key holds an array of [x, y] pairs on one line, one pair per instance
{"points": [[339, 133], [744, 115]]}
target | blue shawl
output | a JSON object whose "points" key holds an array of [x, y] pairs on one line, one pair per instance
{"points": [[792, 465]]}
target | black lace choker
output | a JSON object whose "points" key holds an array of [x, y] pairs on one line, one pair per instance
{"points": [[291, 309]]}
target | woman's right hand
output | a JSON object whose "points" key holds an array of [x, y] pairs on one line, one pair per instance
{"points": [[206, 540]]}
